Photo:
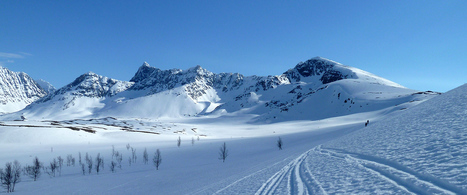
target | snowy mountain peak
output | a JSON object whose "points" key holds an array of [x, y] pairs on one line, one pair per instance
{"points": [[325, 70], [319, 58], [90, 73], [91, 85], [156, 80], [316, 84], [197, 68], [17, 90], [49, 88], [199, 71]]}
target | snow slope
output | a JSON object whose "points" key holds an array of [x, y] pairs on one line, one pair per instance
{"points": [[418, 151], [78, 99]]}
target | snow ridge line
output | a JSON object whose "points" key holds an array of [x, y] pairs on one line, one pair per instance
{"points": [[400, 175]]}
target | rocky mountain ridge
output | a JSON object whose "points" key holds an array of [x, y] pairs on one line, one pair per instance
{"points": [[153, 92], [17, 90]]}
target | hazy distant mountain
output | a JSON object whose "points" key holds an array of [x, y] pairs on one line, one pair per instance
{"points": [[17, 90], [46, 86], [315, 89]]}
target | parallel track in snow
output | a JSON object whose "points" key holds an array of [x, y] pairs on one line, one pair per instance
{"points": [[297, 178]]}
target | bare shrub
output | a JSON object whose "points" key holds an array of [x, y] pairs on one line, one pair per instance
{"points": [[223, 152], [157, 160]]}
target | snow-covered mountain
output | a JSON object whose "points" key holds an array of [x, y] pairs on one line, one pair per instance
{"points": [[80, 98], [316, 89], [49, 88], [17, 90]]}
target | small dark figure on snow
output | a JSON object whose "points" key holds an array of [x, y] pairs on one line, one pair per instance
{"points": [[367, 122]]}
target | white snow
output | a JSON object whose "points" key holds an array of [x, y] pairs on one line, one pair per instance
{"points": [[416, 150], [414, 144], [179, 93], [17, 90]]}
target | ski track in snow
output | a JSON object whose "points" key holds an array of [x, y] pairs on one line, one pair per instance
{"points": [[248, 177], [331, 171], [298, 176]]}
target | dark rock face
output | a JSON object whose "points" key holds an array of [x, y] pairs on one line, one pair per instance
{"points": [[331, 76], [317, 66], [196, 80]]}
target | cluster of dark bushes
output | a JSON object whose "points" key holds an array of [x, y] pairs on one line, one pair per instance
{"points": [[12, 172]]}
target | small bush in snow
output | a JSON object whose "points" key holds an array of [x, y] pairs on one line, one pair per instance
{"points": [[128, 146], [145, 156], [133, 154], [119, 158], [157, 160], [10, 176], [79, 158], [70, 160], [99, 163], [223, 152], [34, 171], [83, 169], [89, 162], [52, 168], [112, 166], [279, 143], [60, 164]]}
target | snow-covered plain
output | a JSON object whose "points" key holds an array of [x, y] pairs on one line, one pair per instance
{"points": [[188, 169], [419, 150]]}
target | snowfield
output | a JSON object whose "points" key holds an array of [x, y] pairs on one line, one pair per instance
{"points": [[420, 150], [414, 143], [190, 169]]}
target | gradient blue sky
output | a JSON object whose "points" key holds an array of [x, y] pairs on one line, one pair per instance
{"points": [[419, 44]]}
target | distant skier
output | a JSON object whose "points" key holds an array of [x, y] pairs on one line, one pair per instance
{"points": [[367, 122]]}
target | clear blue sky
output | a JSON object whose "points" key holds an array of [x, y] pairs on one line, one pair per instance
{"points": [[419, 44]]}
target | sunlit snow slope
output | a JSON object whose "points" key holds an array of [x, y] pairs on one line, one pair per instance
{"points": [[421, 151]]}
